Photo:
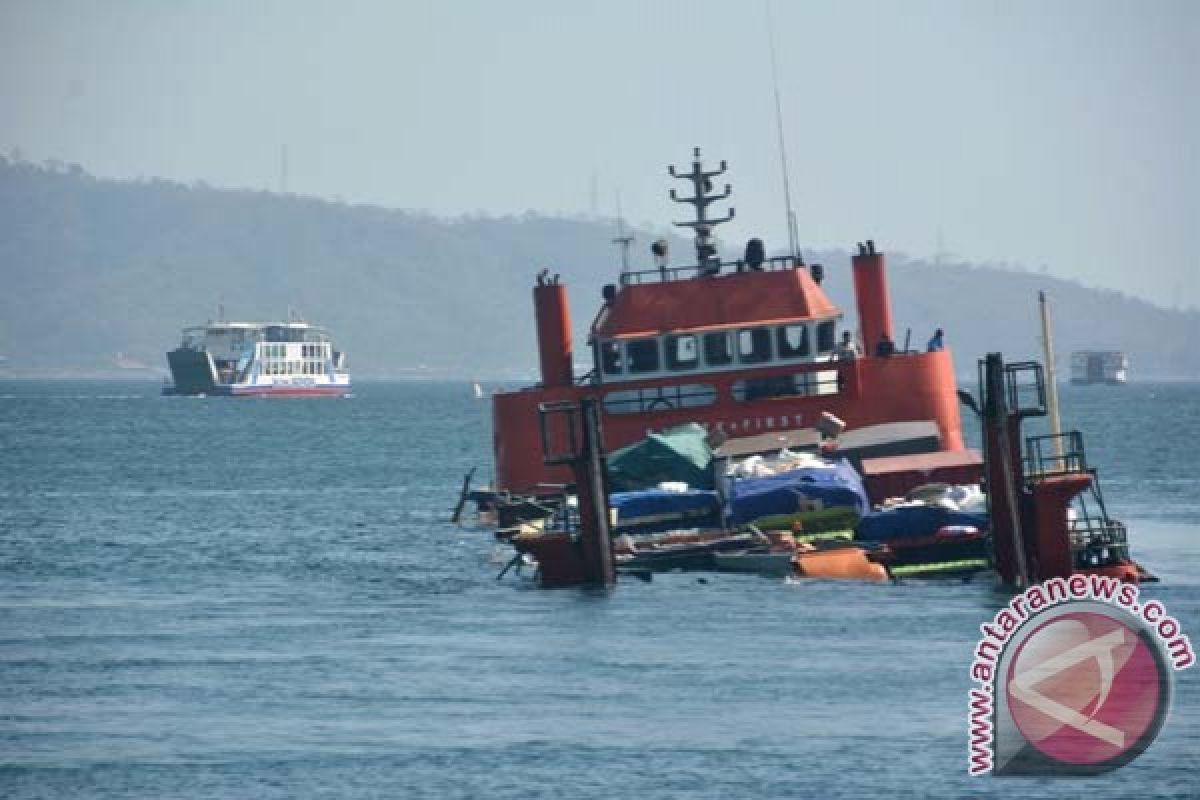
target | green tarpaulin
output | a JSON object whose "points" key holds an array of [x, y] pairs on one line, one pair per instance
{"points": [[677, 454]]}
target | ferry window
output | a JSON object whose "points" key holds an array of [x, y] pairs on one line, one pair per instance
{"points": [[825, 336], [660, 398], [717, 352], [754, 345], [643, 355], [773, 386], [801, 384], [610, 358], [681, 352], [792, 341]]}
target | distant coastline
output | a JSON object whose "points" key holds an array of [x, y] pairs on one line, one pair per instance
{"points": [[97, 267]]}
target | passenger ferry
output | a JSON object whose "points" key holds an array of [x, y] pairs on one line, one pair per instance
{"points": [[1099, 366], [743, 347], [251, 359]]}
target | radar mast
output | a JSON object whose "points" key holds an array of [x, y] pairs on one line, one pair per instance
{"points": [[702, 197]]}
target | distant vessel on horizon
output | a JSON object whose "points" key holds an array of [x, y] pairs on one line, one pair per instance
{"points": [[252, 359], [123, 361], [1099, 366]]}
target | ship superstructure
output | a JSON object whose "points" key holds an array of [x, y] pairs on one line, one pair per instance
{"points": [[743, 347], [290, 358]]}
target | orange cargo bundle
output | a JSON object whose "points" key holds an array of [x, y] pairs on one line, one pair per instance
{"points": [[843, 563]]}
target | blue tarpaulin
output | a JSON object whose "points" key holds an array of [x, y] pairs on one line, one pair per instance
{"points": [[833, 486], [653, 510], [911, 522]]}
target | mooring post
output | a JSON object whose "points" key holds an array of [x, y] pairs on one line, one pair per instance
{"points": [[1002, 467], [591, 486], [462, 497]]}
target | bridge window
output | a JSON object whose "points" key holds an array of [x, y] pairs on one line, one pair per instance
{"points": [[792, 341], [754, 345], [681, 352], [825, 336], [610, 358], [642, 355], [717, 349]]}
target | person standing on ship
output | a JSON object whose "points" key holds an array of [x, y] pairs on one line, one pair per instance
{"points": [[848, 349], [886, 347], [936, 343]]}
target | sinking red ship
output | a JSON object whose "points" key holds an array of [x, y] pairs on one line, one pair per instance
{"points": [[743, 347]]}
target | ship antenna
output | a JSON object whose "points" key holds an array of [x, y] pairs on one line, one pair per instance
{"points": [[283, 169], [706, 251], [793, 236], [623, 239]]}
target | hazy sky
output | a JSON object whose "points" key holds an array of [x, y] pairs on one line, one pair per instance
{"points": [[1064, 134]]}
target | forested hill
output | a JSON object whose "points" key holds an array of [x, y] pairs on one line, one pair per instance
{"points": [[94, 267]]}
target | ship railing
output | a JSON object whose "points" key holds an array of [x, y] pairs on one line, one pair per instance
{"points": [[1055, 454], [1025, 388], [668, 274], [1098, 541]]}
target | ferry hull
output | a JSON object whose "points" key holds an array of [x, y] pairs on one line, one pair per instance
{"points": [[195, 374], [286, 391], [228, 390]]}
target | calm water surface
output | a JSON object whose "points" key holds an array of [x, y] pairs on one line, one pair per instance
{"points": [[263, 599]]}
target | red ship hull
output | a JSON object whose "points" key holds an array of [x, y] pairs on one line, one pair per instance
{"points": [[901, 388]]}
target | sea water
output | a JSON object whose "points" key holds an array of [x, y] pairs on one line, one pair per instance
{"points": [[238, 598]]}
